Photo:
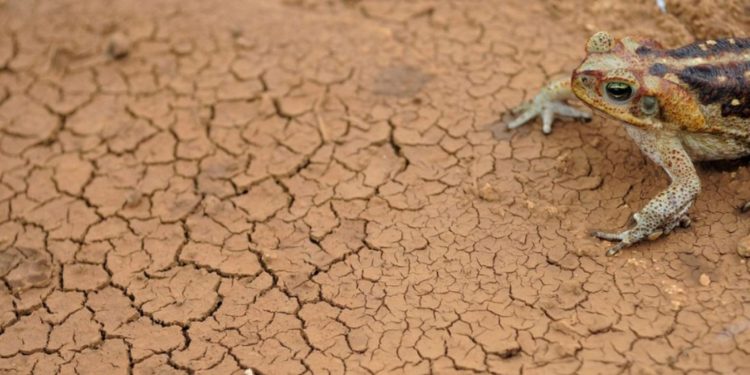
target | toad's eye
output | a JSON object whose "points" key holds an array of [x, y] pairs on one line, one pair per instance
{"points": [[618, 91]]}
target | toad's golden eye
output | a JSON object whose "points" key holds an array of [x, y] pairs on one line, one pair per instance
{"points": [[618, 91]]}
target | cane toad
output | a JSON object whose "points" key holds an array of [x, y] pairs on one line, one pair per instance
{"points": [[679, 105]]}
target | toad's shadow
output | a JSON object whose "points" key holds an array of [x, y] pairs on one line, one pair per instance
{"points": [[729, 165]]}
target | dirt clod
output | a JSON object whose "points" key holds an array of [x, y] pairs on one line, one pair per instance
{"points": [[118, 46], [743, 247], [488, 192], [704, 279]]}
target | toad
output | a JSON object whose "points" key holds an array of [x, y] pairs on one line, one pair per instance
{"points": [[679, 105]]}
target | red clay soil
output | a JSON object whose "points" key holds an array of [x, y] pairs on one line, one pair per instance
{"points": [[311, 187]]}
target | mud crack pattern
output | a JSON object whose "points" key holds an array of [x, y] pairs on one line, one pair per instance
{"points": [[311, 187]]}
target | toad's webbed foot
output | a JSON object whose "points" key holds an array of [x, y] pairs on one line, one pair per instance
{"points": [[639, 232], [549, 103]]}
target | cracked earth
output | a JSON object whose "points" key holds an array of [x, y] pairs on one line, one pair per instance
{"points": [[310, 187]]}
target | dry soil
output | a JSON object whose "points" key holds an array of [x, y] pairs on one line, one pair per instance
{"points": [[299, 187]]}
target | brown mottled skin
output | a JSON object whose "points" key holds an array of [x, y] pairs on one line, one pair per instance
{"points": [[678, 105]]}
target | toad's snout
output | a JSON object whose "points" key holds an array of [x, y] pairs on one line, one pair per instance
{"points": [[583, 84]]}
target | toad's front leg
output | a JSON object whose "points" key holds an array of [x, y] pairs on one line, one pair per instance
{"points": [[668, 209], [548, 103]]}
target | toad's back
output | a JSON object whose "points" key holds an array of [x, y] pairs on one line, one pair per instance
{"points": [[717, 72]]}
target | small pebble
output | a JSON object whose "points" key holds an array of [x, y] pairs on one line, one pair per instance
{"points": [[488, 193], [119, 46], [704, 280], [743, 247], [133, 199]]}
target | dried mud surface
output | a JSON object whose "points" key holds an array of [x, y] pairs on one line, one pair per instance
{"points": [[298, 187]]}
